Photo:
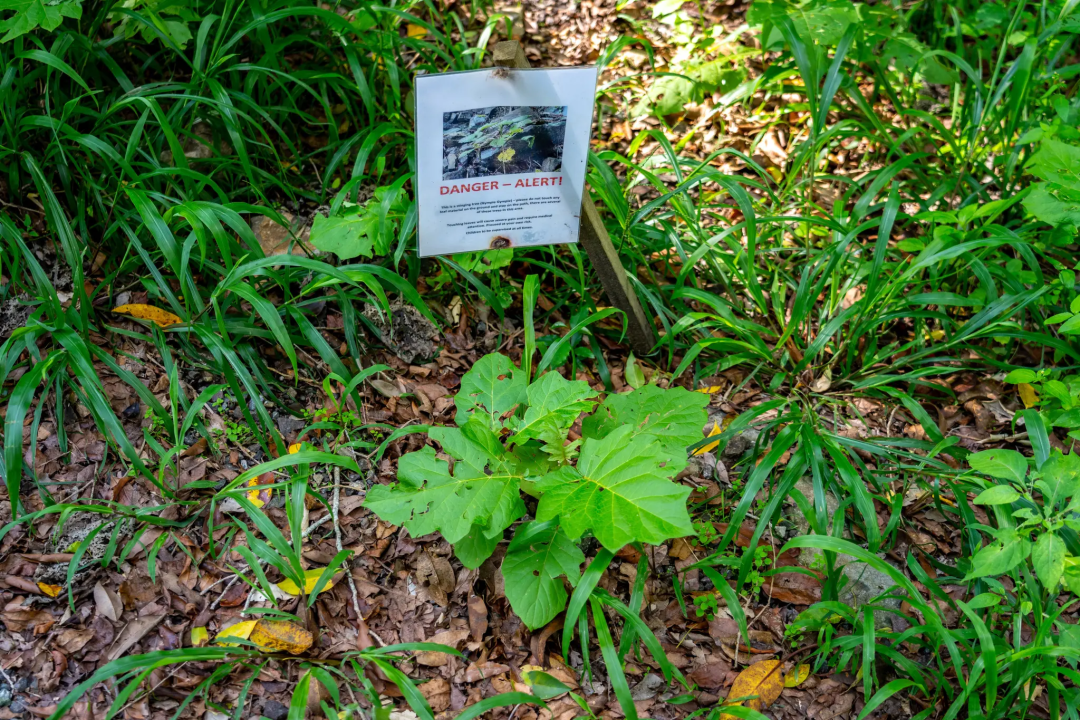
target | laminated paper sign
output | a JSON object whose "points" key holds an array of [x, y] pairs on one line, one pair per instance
{"points": [[501, 157]]}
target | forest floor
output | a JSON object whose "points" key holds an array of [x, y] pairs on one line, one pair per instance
{"points": [[411, 589]]}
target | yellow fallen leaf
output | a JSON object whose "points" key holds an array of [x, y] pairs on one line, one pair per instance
{"points": [[417, 31], [72, 547], [50, 590], [161, 318], [199, 638], [765, 680], [1028, 395], [241, 630], [506, 155], [295, 448], [711, 389], [281, 635], [311, 577], [260, 496], [713, 445], [797, 676]]}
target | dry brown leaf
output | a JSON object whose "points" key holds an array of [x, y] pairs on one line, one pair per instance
{"points": [[108, 603], [133, 633], [437, 693], [478, 617], [161, 318], [765, 680], [281, 635], [72, 641], [434, 658], [18, 619], [793, 587]]}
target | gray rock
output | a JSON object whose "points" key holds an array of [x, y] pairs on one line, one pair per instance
{"points": [[14, 314], [740, 443], [485, 154], [865, 584], [550, 164], [287, 424], [451, 161], [648, 687], [274, 710]]}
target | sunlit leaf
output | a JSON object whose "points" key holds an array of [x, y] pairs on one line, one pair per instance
{"points": [[161, 318]]}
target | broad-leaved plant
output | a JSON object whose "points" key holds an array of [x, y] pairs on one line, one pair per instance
{"points": [[616, 483], [1032, 508]]}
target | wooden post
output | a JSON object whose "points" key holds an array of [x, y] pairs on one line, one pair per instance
{"points": [[594, 237]]}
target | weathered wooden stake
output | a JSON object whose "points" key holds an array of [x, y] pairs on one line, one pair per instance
{"points": [[594, 237]]}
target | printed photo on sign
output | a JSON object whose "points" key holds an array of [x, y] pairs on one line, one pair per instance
{"points": [[501, 157], [502, 141]]}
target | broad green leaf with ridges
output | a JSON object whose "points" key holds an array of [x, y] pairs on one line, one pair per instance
{"points": [[30, 14], [429, 497], [675, 417], [1060, 479], [1056, 162], [493, 387], [476, 547], [554, 404], [621, 490], [538, 556], [1001, 464], [1048, 558]]}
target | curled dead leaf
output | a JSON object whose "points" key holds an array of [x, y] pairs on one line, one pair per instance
{"points": [[50, 590], [161, 318], [281, 635], [713, 445], [762, 683], [288, 589], [241, 630]]}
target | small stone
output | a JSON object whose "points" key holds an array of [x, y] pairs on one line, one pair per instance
{"points": [[648, 687], [274, 710]]}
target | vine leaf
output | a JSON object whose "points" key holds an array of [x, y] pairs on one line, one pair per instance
{"points": [[538, 556], [621, 490]]}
